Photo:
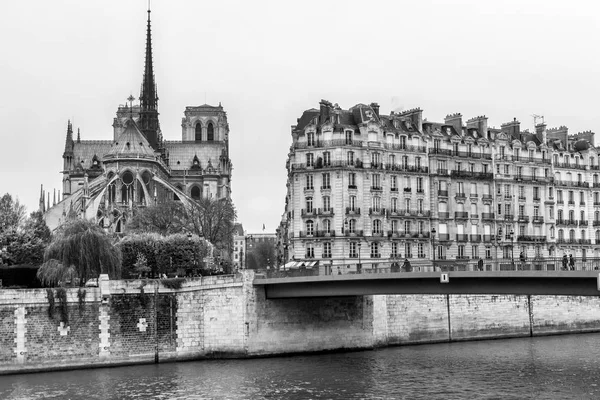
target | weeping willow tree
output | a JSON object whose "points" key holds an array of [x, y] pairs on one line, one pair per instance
{"points": [[80, 249]]}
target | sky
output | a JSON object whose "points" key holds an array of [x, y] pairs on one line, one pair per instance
{"points": [[268, 61]]}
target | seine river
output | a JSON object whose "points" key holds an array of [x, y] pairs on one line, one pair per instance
{"points": [[559, 367]]}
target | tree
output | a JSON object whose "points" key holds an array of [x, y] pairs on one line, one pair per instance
{"points": [[165, 219], [261, 256], [12, 213], [214, 220], [80, 249]]}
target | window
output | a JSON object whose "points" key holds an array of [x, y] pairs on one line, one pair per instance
{"points": [[407, 250], [582, 216], [352, 203], [327, 226], [195, 193], [405, 162], [352, 250], [521, 192], [348, 137], [420, 251], [403, 142], [394, 204], [310, 228], [352, 180], [420, 206], [394, 250], [536, 211], [352, 226], [326, 181], [310, 250], [471, 167], [376, 183], [392, 159], [507, 209], [350, 157], [521, 210], [326, 250], [198, 133], [375, 250], [419, 185], [210, 132], [309, 204], [310, 138], [572, 235], [460, 188], [326, 203], [536, 193], [418, 162], [309, 182], [407, 227], [375, 159], [394, 225], [488, 253], [461, 251], [327, 159], [506, 169], [310, 160], [376, 227], [552, 232], [394, 182], [475, 252]]}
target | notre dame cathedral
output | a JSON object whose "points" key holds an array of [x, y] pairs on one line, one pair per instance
{"points": [[107, 180]]}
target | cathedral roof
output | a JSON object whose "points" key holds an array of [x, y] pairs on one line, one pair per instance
{"points": [[181, 154], [131, 143]]}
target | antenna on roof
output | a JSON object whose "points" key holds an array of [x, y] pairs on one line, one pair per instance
{"points": [[536, 118]]}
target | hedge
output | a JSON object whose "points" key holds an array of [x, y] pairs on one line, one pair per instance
{"points": [[173, 254]]}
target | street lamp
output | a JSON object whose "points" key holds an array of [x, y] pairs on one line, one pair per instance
{"points": [[512, 247], [433, 232], [359, 263]]}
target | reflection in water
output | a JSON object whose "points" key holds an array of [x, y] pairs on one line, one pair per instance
{"points": [[559, 367]]}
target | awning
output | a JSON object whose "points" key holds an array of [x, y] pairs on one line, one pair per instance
{"points": [[300, 264]]}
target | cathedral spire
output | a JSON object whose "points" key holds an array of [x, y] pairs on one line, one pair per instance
{"points": [[148, 122], [69, 140], [148, 95]]}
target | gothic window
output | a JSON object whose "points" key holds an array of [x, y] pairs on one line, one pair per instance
{"points": [[210, 132], [195, 193], [198, 135]]}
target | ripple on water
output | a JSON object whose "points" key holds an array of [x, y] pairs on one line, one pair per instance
{"points": [[559, 367]]}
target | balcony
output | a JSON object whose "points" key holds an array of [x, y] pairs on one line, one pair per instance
{"points": [[487, 216], [377, 234], [443, 152], [326, 187], [531, 238], [585, 241], [354, 233], [475, 238], [523, 219], [394, 189], [352, 210], [325, 234], [407, 168], [410, 149], [488, 238], [461, 215], [442, 171], [443, 215], [462, 257], [472, 175], [461, 196], [522, 198], [443, 193], [308, 212], [352, 187], [536, 199], [444, 237], [376, 189], [461, 237], [474, 216], [375, 255], [486, 197], [571, 203], [393, 234], [537, 220], [325, 211], [596, 223], [583, 222], [376, 211], [509, 217]]}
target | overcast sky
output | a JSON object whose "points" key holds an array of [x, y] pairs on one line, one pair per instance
{"points": [[268, 61]]}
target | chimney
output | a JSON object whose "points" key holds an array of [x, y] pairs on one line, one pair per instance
{"points": [[479, 123], [540, 133], [375, 108], [324, 111], [415, 116], [512, 129], [561, 133], [455, 120]]}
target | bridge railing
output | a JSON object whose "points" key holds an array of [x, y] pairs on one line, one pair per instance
{"points": [[481, 265]]}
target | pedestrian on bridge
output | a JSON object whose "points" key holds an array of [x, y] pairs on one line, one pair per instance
{"points": [[522, 259], [572, 262], [565, 262], [406, 266]]}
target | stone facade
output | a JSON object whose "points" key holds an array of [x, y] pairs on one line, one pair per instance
{"points": [[367, 190], [215, 317]]}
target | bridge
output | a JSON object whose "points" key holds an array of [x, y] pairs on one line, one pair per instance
{"points": [[517, 282]]}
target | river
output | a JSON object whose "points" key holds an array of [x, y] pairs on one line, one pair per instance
{"points": [[557, 367]]}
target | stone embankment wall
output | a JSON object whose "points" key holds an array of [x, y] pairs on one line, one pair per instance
{"points": [[145, 322]]}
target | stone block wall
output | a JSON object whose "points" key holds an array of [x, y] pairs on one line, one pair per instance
{"points": [[229, 317]]}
